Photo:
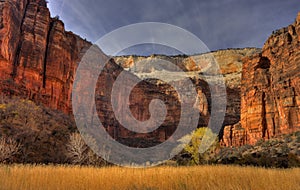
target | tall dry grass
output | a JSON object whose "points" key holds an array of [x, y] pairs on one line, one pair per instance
{"points": [[168, 178]]}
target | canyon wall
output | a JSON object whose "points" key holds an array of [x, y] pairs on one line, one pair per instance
{"points": [[38, 58], [230, 66], [38, 61], [270, 90]]}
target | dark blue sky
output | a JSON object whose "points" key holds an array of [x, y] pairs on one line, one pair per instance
{"points": [[220, 24]]}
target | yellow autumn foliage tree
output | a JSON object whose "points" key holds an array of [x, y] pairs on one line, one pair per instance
{"points": [[197, 142]]}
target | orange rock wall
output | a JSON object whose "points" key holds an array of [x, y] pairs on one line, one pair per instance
{"points": [[38, 57], [270, 89]]}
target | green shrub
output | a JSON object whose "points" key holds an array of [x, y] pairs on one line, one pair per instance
{"points": [[293, 160]]}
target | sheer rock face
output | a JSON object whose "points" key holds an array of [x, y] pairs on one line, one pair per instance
{"points": [[38, 57], [270, 88], [11, 15]]}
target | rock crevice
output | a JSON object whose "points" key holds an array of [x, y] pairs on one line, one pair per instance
{"points": [[46, 53], [16, 59]]}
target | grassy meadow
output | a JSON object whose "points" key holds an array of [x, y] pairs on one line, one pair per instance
{"points": [[19, 177]]}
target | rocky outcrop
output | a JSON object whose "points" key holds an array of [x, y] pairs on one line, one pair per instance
{"points": [[270, 89], [234, 135]]}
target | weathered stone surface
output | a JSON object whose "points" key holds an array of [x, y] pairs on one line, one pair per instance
{"points": [[11, 17], [140, 98], [38, 57], [234, 135], [270, 87], [229, 61]]}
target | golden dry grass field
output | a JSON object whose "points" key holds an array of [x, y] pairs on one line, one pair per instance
{"points": [[167, 178]]}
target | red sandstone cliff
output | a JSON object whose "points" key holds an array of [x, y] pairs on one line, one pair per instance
{"points": [[38, 57], [229, 61], [38, 60], [270, 90]]}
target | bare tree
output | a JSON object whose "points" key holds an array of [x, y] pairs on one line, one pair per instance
{"points": [[79, 153], [77, 149], [8, 148]]}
